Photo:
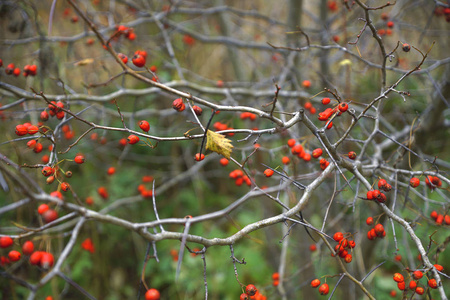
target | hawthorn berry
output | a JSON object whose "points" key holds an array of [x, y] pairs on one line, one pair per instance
{"points": [[144, 125], [390, 24], [417, 274], [369, 221], [250, 290], [306, 84], [285, 160], [32, 129], [14, 255], [406, 47], [132, 139], [47, 171], [138, 60], [317, 152], [348, 258], [65, 186], [268, 172], [197, 110], [338, 236], [28, 248], [315, 283], [352, 155], [434, 215], [31, 144], [21, 130], [50, 215], [343, 107], [412, 285], [178, 105], [47, 260], [123, 58], [326, 101], [308, 105], [6, 241], [223, 161], [312, 247], [276, 276], [152, 294], [102, 192], [398, 277], [44, 116], [42, 208], [439, 267], [199, 157], [243, 296], [324, 289], [420, 290], [401, 285], [35, 258]]}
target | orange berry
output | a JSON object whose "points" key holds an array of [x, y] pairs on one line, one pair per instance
{"points": [[315, 283]]}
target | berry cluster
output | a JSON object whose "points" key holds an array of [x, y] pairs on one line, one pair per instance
{"points": [[248, 115], [440, 218], [39, 258], [239, 177], [128, 32], [413, 285], [28, 70], [343, 247], [146, 192], [376, 231], [275, 279], [323, 289], [252, 293]]}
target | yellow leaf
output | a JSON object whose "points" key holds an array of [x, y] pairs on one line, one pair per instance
{"points": [[345, 62], [84, 62], [217, 142]]}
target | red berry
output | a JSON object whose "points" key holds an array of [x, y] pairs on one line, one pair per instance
{"points": [[291, 143], [50, 215], [348, 258], [47, 171], [132, 139], [324, 289], [199, 157], [417, 274], [198, 110], [317, 153], [224, 161], [432, 283], [306, 84], [243, 297], [14, 255], [268, 172], [28, 248], [398, 277], [44, 116], [326, 101], [352, 155], [439, 267], [6, 241], [401, 285], [315, 283], [65, 186], [102, 192], [369, 221], [338, 236], [138, 60], [42, 208], [412, 285], [21, 130], [32, 129], [178, 105], [123, 58], [406, 47], [343, 107], [308, 105], [297, 149], [152, 294], [35, 258], [47, 260], [144, 125], [379, 229], [381, 183], [250, 290], [38, 148], [285, 160], [312, 247], [434, 215], [390, 24], [79, 159], [420, 290]]}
